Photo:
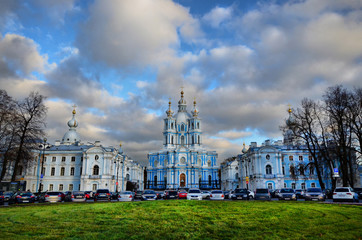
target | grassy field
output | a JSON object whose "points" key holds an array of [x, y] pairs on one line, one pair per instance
{"points": [[182, 220]]}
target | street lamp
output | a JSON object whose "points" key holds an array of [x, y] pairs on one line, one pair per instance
{"points": [[119, 157], [117, 161], [42, 164]]}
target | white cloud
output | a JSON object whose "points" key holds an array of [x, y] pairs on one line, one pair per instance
{"points": [[217, 16]]}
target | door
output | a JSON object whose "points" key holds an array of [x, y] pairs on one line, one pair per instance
{"points": [[182, 180]]}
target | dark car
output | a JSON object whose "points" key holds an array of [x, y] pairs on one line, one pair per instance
{"points": [[149, 195], [159, 195], [114, 196], [7, 196], [22, 197], [240, 194], [359, 192], [171, 194], [262, 194], [75, 196], [2, 198], [138, 195], [88, 195], [287, 194], [328, 193], [102, 195], [299, 193]]}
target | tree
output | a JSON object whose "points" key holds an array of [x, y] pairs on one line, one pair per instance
{"points": [[31, 113]]}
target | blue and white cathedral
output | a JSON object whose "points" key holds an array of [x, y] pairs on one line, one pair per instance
{"points": [[183, 162]]}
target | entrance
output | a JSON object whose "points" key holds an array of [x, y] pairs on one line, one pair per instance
{"points": [[182, 180]]}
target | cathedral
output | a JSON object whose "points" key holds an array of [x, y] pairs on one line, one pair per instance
{"points": [[70, 164], [183, 162]]}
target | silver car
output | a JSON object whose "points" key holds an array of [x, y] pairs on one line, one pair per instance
{"points": [[315, 194], [125, 196], [77, 196], [217, 195], [54, 197], [262, 194]]}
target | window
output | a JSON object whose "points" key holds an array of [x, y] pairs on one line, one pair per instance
{"points": [[171, 125], [209, 180], [193, 140], [283, 169], [54, 159], [51, 187], [156, 163], [312, 184], [72, 171], [198, 125], [268, 169], [43, 171], [302, 185], [301, 170], [127, 177], [60, 187], [73, 159], [209, 163], [155, 180], [63, 159], [33, 188], [79, 187], [96, 170], [285, 185], [81, 159], [182, 140], [127, 169], [20, 170], [310, 158], [267, 157], [198, 138], [236, 175], [290, 158], [311, 170], [270, 186], [182, 128], [192, 125], [172, 140], [70, 187], [45, 159], [41, 187], [80, 172], [62, 170], [183, 160], [94, 188], [300, 158], [96, 157], [293, 185], [52, 173], [166, 139]]}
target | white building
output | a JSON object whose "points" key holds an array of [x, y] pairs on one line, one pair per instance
{"points": [[230, 177], [71, 165]]}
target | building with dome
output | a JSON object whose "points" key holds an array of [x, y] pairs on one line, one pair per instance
{"points": [[70, 164], [183, 162]]}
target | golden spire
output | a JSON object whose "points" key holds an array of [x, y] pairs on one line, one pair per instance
{"points": [[182, 91], [120, 143], [74, 106], [194, 101], [289, 109]]}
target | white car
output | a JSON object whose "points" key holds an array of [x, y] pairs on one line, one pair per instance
{"points": [[217, 195], [251, 194], [344, 194], [194, 194], [205, 194]]}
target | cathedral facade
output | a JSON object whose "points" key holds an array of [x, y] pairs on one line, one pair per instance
{"points": [[70, 165], [183, 162]]}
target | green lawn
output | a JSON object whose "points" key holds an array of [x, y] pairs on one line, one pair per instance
{"points": [[182, 220]]}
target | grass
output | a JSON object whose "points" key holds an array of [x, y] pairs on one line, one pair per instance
{"points": [[182, 220]]}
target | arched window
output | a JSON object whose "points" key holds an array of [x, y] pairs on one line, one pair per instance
{"points": [[209, 163], [96, 157], [182, 140], [192, 125], [171, 125], [270, 186], [209, 180], [192, 138], [285, 185], [302, 185], [312, 184], [236, 175], [268, 169], [96, 170], [127, 177], [72, 171], [156, 163], [198, 139], [166, 139], [283, 169], [155, 180], [293, 185], [171, 139], [301, 170], [198, 125], [183, 160], [62, 170], [182, 128]]}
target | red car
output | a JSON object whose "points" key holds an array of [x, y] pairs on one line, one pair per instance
{"points": [[182, 194]]}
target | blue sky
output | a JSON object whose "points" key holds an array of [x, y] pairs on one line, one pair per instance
{"points": [[120, 62]]}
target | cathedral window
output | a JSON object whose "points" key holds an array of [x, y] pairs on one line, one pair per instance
{"points": [[166, 139], [182, 128], [310, 158], [182, 140], [43, 171], [183, 160], [155, 180], [171, 125], [311, 170], [72, 171], [285, 185], [209, 163], [62, 170], [198, 139], [283, 169], [156, 163], [268, 169], [193, 141], [172, 140], [301, 170], [96, 170], [198, 125], [209, 180], [96, 157], [192, 125]]}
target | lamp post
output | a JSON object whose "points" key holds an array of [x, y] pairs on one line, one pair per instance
{"points": [[116, 161], [42, 164]]}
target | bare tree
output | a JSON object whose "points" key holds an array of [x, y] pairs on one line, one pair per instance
{"points": [[31, 114]]}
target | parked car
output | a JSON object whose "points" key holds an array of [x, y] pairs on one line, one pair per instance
{"points": [[275, 193], [2, 198], [149, 195], [262, 194], [226, 194], [251, 194], [217, 195], [358, 191], [159, 194], [315, 194], [75, 196], [114, 195], [206, 195], [170, 194], [126, 196], [299, 193], [328, 193], [41, 197], [138, 195], [88, 195], [22, 197], [182, 194], [7, 196], [102, 195], [240, 194], [344, 194], [287, 194], [54, 197], [194, 194]]}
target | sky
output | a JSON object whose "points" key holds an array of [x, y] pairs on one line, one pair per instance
{"points": [[120, 61]]}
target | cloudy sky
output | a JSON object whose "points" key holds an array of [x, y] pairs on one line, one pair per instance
{"points": [[120, 61]]}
